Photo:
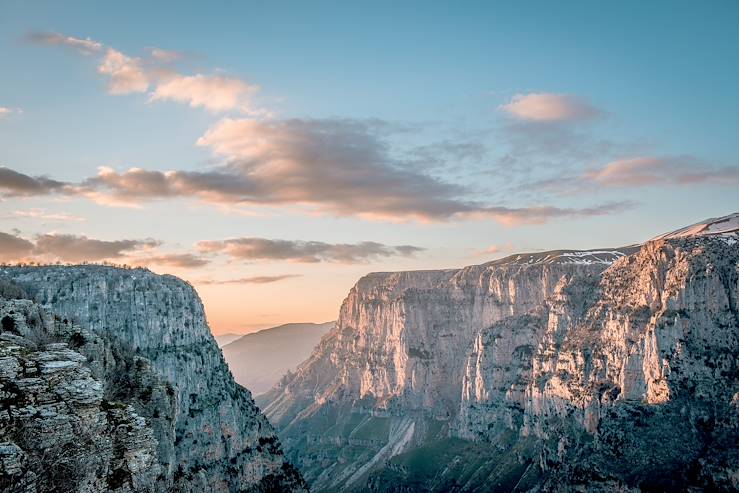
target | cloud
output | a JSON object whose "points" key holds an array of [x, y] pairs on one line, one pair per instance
{"points": [[548, 108], [85, 46], [126, 74], [337, 166], [74, 248], [166, 56], [181, 260], [44, 215], [67, 248], [9, 111], [509, 216], [214, 93], [304, 251], [342, 167], [13, 183], [220, 185], [250, 280], [330, 166], [52, 247], [495, 249], [660, 171], [14, 247]]}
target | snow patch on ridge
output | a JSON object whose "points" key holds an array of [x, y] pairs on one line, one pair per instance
{"points": [[716, 226]]}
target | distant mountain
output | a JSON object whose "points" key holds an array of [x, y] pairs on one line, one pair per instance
{"points": [[259, 360], [224, 339]]}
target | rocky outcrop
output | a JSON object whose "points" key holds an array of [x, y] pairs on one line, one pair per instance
{"points": [[143, 342], [560, 371], [58, 431]]}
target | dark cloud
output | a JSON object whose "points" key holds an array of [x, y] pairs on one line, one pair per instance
{"points": [[73, 248], [13, 183], [304, 251], [251, 280], [13, 247]]}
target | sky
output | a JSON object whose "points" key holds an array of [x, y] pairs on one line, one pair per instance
{"points": [[271, 153]]}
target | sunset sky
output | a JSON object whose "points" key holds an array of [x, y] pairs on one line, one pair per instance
{"points": [[271, 153]]}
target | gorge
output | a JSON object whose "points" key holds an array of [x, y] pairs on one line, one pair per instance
{"points": [[608, 370], [598, 370]]}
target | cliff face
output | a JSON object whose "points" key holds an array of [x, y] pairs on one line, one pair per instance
{"points": [[553, 371], [390, 373], [633, 382], [162, 359]]}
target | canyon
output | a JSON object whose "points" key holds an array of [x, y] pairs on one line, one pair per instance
{"points": [[594, 370], [605, 370]]}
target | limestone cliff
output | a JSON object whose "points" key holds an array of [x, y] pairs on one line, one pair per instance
{"points": [[610, 370], [139, 344]]}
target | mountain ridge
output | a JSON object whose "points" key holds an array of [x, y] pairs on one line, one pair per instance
{"points": [[258, 360]]}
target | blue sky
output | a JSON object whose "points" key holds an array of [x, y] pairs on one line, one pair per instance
{"points": [[617, 120]]}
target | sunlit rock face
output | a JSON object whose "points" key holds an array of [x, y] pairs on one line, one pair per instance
{"points": [[631, 382], [397, 358], [610, 371], [160, 361]]}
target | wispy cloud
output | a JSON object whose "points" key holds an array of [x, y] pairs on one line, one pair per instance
{"points": [[86, 46], [250, 280], [304, 251], [547, 108], [4, 111], [494, 250], [44, 215], [131, 74], [640, 172], [166, 56], [660, 171], [180, 260]]}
